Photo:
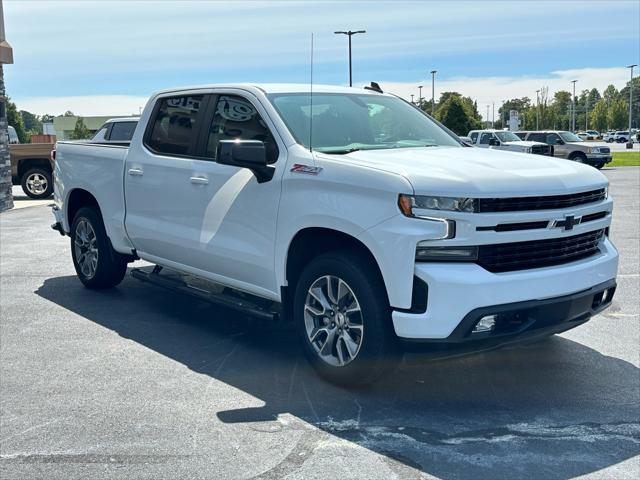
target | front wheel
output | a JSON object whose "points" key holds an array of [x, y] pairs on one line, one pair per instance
{"points": [[343, 319], [96, 263], [37, 183], [599, 166]]}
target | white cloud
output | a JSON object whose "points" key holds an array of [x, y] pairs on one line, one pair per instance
{"points": [[86, 105], [486, 90]]}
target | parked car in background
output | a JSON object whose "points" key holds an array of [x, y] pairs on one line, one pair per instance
{"points": [[609, 137], [31, 166], [568, 145], [621, 137], [379, 231], [585, 136], [506, 140], [13, 135], [116, 131], [594, 133]]}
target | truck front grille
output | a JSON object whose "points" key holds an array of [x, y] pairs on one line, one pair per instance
{"points": [[518, 204], [506, 257]]}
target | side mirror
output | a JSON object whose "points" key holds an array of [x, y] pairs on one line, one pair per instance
{"points": [[250, 154], [559, 141], [494, 142]]}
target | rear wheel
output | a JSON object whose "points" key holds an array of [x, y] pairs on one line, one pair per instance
{"points": [[343, 319], [37, 183], [96, 263]]}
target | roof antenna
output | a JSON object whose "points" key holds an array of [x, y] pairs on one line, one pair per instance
{"points": [[311, 103]]}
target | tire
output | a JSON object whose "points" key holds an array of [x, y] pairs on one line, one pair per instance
{"points": [[37, 183], [599, 166], [97, 264], [372, 350], [609, 140], [579, 157]]}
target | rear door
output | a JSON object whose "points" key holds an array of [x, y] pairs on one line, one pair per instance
{"points": [[158, 189]]}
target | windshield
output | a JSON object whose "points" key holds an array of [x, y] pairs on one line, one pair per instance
{"points": [[508, 137], [346, 122], [569, 137]]}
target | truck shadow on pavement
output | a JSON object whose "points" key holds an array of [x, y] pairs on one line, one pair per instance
{"points": [[552, 410]]}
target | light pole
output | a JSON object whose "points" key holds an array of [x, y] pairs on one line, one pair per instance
{"points": [[586, 113], [488, 115], [573, 107], [630, 67], [537, 109], [420, 95], [350, 34], [502, 116], [433, 90], [412, 98], [493, 114]]}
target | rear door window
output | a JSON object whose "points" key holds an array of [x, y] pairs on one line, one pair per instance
{"points": [[537, 137], [122, 131], [173, 129], [474, 136]]}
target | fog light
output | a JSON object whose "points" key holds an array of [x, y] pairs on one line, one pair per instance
{"points": [[485, 324]]}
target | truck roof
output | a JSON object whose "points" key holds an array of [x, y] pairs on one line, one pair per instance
{"points": [[275, 88]]}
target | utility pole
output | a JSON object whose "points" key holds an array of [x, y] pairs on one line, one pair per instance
{"points": [[350, 34], [493, 114], [420, 95], [630, 67], [586, 113], [573, 107], [488, 115], [537, 109], [433, 90]]}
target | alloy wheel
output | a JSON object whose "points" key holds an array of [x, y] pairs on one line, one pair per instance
{"points": [[86, 248], [333, 320]]}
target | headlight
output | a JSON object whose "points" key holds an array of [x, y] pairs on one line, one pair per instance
{"points": [[425, 253], [595, 150], [408, 203]]}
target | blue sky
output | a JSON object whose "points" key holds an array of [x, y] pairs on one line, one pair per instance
{"points": [[105, 57]]}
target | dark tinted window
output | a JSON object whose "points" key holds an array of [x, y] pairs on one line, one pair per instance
{"points": [[537, 137], [174, 125], [122, 131], [522, 135], [474, 136], [235, 118], [551, 139], [485, 137]]}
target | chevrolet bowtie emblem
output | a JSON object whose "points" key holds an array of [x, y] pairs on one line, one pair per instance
{"points": [[568, 222]]}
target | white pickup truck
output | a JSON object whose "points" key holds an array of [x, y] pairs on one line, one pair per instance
{"points": [[506, 140], [348, 212]]}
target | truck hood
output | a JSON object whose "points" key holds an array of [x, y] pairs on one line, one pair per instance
{"points": [[589, 144], [481, 172]]}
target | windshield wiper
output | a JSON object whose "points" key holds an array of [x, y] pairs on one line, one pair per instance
{"points": [[343, 152]]}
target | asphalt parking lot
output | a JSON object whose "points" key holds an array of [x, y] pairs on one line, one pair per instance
{"points": [[138, 383]]}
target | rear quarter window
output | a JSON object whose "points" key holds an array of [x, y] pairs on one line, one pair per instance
{"points": [[122, 131]]}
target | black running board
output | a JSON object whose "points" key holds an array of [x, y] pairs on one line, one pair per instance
{"points": [[209, 291]]}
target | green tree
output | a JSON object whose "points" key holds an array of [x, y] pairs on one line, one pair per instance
{"points": [[610, 94], [456, 116], [32, 123], [68, 113], [599, 116], [624, 94], [80, 132], [47, 118], [618, 114], [15, 120]]}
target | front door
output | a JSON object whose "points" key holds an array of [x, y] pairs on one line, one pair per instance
{"points": [[227, 221]]}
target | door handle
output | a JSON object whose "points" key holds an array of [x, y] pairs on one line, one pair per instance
{"points": [[136, 172], [199, 180]]}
